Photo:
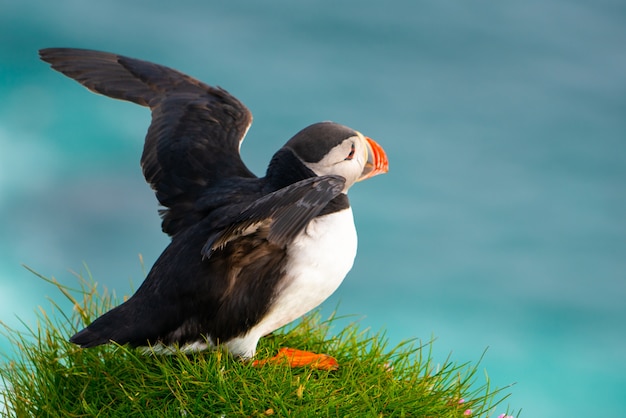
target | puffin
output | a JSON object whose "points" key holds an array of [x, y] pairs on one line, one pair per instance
{"points": [[247, 254]]}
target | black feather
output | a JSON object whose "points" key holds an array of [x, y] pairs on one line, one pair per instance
{"points": [[285, 212]]}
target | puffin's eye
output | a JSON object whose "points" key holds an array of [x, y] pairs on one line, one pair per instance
{"points": [[351, 155]]}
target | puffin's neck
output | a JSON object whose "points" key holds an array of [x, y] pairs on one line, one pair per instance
{"points": [[286, 168]]}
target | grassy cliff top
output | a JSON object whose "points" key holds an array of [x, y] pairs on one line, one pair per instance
{"points": [[48, 376]]}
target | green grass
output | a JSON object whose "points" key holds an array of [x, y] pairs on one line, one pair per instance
{"points": [[48, 376]]}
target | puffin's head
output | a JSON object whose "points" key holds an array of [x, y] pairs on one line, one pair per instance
{"points": [[329, 148]]}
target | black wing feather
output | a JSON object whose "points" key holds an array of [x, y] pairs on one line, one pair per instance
{"points": [[287, 211], [196, 130]]}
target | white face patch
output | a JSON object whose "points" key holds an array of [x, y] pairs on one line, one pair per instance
{"points": [[346, 160]]}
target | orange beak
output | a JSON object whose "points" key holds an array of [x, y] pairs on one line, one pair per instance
{"points": [[376, 160]]}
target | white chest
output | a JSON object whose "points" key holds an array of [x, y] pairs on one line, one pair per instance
{"points": [[318, 261], [324, 253]]}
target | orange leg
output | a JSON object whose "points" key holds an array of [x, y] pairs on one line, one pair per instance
{"points": [[300, 358]]}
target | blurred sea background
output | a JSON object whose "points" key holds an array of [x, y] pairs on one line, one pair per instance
{"points": [[502, 221]]}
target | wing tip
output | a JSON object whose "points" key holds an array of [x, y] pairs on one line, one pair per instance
{"points": [[48, 54], [52, 53]]}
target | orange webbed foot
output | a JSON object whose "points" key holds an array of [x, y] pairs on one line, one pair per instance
{"points": [[300, 358]]}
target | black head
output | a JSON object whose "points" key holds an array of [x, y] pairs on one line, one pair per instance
{"points": [[314, 142], [327, 148]]}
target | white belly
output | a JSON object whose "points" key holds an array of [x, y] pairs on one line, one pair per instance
{"points": [[318, 261]]}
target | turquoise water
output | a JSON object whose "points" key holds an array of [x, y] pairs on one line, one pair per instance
{"points": [[501, 224]]}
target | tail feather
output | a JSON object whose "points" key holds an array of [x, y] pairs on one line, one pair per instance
{"points": [[122, 325], [87, 339]]}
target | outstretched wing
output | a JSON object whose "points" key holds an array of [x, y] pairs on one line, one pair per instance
{"points": [[284, 212], [195, 133]]}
